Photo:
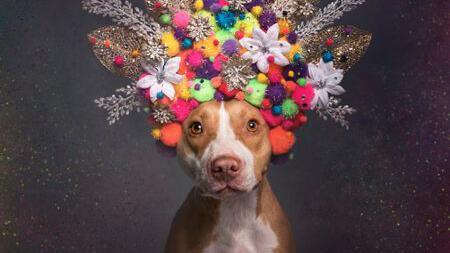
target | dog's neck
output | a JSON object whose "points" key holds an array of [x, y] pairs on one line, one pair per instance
{"points": [[240, 221]]}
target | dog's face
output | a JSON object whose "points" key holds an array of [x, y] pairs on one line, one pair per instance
{"points": [[225, 147]]}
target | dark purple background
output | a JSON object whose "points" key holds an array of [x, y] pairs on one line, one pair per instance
{"points": [[71, 183]]}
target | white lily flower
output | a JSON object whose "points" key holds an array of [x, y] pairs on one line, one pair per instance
{"points": [[263, 45], [325, 80], [161, 78]]}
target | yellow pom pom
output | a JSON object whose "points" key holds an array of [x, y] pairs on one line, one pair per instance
{"points": [[198, 5], [261, 78], [135, 53], [284, 25], [291, 73], [172, 44], [294, 49], [156, 133], [208, 47], [257, 10], [182, 90]]}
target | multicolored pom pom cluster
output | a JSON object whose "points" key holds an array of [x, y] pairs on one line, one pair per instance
{"points": [[218, 50]]}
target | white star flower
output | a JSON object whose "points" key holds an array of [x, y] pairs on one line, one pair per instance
{"points": [[161, 78], [263, 45], [325, 80]]}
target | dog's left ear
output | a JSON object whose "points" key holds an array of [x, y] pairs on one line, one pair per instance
{"points": [[348, 44], [118, 49]]}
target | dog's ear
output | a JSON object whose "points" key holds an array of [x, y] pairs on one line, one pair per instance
{"points": [[118, 49], [347, 42]]}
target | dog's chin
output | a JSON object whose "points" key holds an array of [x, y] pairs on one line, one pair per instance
{"points": [[228, 192]]}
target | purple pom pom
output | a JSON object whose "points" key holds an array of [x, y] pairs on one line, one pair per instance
{"points": [[208, 3], [300, 69], [267, 19], [207, 71], [218, 96], [180, 34], [230, 47], [276, 93], [215, 8], [292, 37]]}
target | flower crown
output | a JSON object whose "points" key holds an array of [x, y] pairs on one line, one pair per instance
{"points": [[273, 54]]}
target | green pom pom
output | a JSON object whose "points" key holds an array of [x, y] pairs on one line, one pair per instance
{"points": [[289, 108], [224, 35], [202, 90], [165, 19], [301, 81], [258, 91]]}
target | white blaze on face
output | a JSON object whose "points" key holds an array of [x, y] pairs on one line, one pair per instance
{"points": [[227, 144]]}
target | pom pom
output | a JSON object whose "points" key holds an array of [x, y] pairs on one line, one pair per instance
{"points": [[228, 93], [165, 19], [207, 47], [277, 110], [281, 140], [254, 3], [292, 38], [289, 108], [180, 34], [267, 19], [198, 5], [299, 69], [247, 24], [182, 90], [207, 71], [303, 96], [276, 94], [223, 35], [225, 19], [215, 8], [230, 47], [284, 26], [208, 3], [258, 92], [274, 77], [271, 119], [187, 43], [257, 10], [181, 109], [119, 61], [173, 46], [262, 78], [156, 133], [171, 134], [202, 90], [218, 96], [218, 62], [287, 124], [194, 59], [327, 56], [181, 19]]}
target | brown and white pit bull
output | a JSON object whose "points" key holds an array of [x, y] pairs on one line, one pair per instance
{"points": [[226, 150]]}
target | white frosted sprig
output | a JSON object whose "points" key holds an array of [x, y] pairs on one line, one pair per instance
{"points": [[336, 112], [120, 104], [123, 13], [325, 17]]}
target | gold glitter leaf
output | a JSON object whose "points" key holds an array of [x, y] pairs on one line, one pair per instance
{"points": [[349, 45], [112, 41]]}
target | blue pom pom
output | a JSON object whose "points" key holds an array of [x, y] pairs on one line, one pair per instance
{"points": [[242, 16], [297, 57], [160, 95], [276, 110], [327, 56], [225, 19], [187, 43]]}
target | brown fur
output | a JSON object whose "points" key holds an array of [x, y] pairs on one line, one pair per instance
{"points": [[192, 228]]}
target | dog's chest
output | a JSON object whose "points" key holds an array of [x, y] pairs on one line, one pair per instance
{"points": [[239, 230]]}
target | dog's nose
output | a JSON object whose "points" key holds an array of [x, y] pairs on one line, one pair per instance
{"points": [[225, 168]]}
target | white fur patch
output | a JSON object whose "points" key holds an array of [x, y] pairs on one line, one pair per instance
{"points": [[239, 230]]}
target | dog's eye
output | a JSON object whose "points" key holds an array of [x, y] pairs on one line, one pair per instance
{"points": [[252, 125], [196, 128]]}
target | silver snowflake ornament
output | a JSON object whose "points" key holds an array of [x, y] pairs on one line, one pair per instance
{"points": [[236, 72], [199, 28]]}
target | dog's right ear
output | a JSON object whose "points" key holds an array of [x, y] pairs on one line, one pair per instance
{"points": [[118, 49]]}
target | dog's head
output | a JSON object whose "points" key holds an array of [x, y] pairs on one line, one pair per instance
{"points": [[225, 147]]}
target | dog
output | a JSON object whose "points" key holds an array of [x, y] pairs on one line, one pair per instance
{"points": [[225, 149]]}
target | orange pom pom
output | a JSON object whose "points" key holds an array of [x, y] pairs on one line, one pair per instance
{"points": [[281, 140], [170, 134]]}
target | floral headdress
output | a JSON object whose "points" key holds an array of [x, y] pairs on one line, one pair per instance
{"points": [[281, 56]]}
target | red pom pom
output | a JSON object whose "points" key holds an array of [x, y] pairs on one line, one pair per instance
{"points": [[216, 42], [281, 140], [329, 42], [239, 34], [228, 93], [119, 61], [266, 103], [171, 134], [270, 59]]}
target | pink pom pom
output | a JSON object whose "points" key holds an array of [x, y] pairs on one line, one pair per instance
{"points": [[288, 124], [195, 59], [119, 61], [194, 103], [181, 19], [303, 96], [271, 119], [217, 64], [181, 109], [274, 77]]}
